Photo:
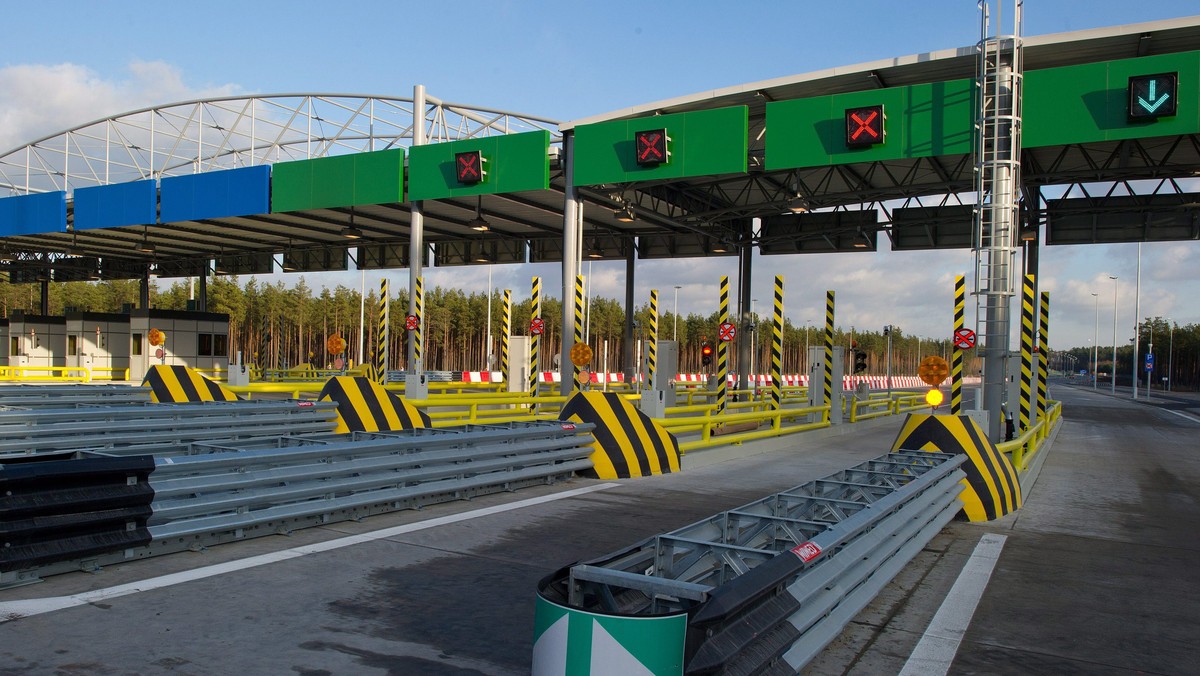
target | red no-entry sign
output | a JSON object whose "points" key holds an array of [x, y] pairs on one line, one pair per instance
{"points": [[726, 331], [537, 326], [964, 339], [411, 322]]}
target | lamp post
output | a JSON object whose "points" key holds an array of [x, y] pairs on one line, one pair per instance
{"points": [[1137, 324], [675, 316], [1096, 343], [1171, 354], [807, 324], [487, 353], [1114, 360]]}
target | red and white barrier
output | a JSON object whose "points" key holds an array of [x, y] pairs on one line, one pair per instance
{"points": [[482, 377]]}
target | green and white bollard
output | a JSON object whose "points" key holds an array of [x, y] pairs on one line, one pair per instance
{"points": [[572, 642]]}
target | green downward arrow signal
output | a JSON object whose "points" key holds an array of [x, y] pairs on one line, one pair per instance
{"points": [[1155, 102]]}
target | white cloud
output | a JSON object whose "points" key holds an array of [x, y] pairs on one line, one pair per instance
{"points": [[38, 100]]}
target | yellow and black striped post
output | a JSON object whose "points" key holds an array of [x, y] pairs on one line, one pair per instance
{"points": [[578, 331], [956, 355], [777, 347], [505, 332], [535, 312], [829, 351], [652, 344], [419, 307], [1026, 349], [722, 348], [1043, 353], [381, 344]]}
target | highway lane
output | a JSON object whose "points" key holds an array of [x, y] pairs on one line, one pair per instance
{"points": [[1094, 577]]}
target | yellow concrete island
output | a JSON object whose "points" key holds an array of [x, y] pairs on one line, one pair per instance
{"points": [[628, 443]]}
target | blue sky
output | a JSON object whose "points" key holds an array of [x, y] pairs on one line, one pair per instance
{"points": [[565, 60]]}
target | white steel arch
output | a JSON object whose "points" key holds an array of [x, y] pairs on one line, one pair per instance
{"points": [[236, 131]]}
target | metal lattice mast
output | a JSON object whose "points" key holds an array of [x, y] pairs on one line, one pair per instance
{"points": [[997, 185]]}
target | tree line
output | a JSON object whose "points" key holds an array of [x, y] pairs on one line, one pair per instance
{"points": [[1176, 350], [277, 326]]}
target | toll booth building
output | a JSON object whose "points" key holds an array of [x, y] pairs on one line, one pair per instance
{"points": [[99, 341], [36, 340], [198, 340]]}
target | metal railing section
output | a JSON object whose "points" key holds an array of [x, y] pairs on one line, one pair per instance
{"points": [[773, 581], [1022, 450], [160, 429]]}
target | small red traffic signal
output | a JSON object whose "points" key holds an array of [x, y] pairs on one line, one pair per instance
{"points": [[706, 352], [651, 147], [469, 167]]}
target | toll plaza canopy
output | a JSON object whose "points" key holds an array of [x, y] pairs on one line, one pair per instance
{"points": [[827, 160]]}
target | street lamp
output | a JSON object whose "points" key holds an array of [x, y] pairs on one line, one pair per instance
{"points": [[1137, 323], [807, 324], [1114, 364], [1096, 343], [1171, 354], [675, 316]]}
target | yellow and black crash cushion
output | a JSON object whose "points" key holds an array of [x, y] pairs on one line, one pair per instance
{"points": [[991, 487], [176, 384], [364, 406], [628, 443]]}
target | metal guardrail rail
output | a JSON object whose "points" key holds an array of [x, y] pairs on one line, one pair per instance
{"points": [[158, 429], [215, 493], [58, 396], [768, 584]]}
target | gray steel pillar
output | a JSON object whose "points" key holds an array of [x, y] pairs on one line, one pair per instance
{"points": [[416, 233], [572, 238], [144, 289], [744, 337], [202, 294], [629, 354]]}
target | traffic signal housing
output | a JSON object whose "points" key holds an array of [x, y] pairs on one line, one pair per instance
{"points": [[706, 353], [860, 361]]}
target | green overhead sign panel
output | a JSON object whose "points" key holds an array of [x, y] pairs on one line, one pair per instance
{"points": [[1112, 101], [878, 124], [699, 143], [339, 181], [480, 166]]}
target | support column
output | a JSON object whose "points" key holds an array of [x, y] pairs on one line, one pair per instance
{"points": [[956, 354], [572, 237], [652, 342], [629, 356], [578, 333], [777, 346], [535, 312], [722, 348], [505, 331], [745, 341], [416, 239], [381, 344], [45, 299], [1043, 353], [143, 293], [1027, 315], [829, 305], [202, 293]]}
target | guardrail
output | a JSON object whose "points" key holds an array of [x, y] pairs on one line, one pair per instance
{"points": [[765, 586], [160, 429], [68, 396], [77, 374], [1023, 449], [209, 493]]}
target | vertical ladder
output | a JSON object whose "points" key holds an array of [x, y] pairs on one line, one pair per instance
{"points": [[997, 186]]}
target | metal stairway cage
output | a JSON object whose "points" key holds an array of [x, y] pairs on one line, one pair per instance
{"points": [[997, 187]]}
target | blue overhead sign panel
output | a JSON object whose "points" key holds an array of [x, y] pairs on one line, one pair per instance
{"points": [[111, 206], [33, 214], [217, 194]]}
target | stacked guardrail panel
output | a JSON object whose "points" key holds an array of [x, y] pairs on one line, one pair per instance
{"points": [[767, 585]]}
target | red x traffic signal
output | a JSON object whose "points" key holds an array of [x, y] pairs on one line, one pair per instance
{"points": [[864, 126], [468, 167], [651, 147]]}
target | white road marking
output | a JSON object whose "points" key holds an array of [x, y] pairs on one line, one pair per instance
{"points": [[12, 610], [939, 644], [1181, 414]]}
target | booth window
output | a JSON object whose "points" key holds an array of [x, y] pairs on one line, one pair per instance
{"points": [[220, 345], [73, 346], [136, 345], [206, 345]]}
